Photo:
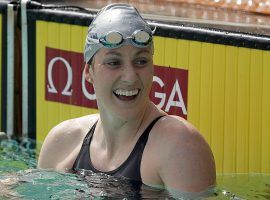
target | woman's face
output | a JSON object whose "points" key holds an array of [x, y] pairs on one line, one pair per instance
{"points": [[122, 79]]}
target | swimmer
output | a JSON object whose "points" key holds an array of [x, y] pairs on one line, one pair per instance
{"points": [[130, 136]]}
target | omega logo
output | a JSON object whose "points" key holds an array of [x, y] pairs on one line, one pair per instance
{"points": [[50, 86]]}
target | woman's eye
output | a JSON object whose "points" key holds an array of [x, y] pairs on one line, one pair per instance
{"points": [[113, 63], [141, 62]]}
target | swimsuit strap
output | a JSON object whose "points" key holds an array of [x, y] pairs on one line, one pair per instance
{"points": [[144, 136], [89, 135]]}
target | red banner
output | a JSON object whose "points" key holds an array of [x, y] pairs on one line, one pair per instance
{"points": [[65, 83]]}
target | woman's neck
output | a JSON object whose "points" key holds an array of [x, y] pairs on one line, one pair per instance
{"points": [[113, 131]]}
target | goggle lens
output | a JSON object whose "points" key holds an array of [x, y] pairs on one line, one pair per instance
{"points": [[141, 38], [112, 39]]}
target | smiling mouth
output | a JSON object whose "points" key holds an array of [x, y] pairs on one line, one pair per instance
{"points": [[126, 95]]}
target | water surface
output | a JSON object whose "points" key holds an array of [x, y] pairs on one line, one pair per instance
{"points": [[19, 179]]}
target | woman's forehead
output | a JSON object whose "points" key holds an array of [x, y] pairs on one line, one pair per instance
{"points": [[124, 50]]}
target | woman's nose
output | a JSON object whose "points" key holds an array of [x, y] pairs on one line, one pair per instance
{"points": [[129, 74]]}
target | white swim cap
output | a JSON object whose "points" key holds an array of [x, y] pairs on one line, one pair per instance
{"points": [[114, 25]]}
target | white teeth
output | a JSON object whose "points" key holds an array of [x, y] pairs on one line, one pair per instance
{"points": [[126, 92]]}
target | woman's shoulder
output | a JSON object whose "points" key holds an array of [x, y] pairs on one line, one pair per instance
{"points": [[74, 126], [177, 132], [63, 139], [69, 132], [183, 154], [176, 124]]}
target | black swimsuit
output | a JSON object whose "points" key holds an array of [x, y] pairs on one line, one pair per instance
{"points": [[129, 169]]}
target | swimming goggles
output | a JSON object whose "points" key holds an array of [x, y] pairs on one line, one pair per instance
{"points": [[115, 39]]}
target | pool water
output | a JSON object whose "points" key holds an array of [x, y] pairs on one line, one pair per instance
{"points": [[19, 179]]}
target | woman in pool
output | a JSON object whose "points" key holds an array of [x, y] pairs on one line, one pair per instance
{"points": [[130, 136]]}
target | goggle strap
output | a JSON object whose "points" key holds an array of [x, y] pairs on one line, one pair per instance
{"points": [[153, 31]]}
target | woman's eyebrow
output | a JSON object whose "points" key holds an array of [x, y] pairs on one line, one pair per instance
{"points": [[142, 51], [113, 53]]}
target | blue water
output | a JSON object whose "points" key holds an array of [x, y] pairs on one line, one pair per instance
{"points": [[19, 179]]}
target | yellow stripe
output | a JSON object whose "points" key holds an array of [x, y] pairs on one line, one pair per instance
{"points": [[194, 80], [170, 54], [243, 110], [219, 63], [65, 33], [41, 108], [53, 35], [206, 90], [255, 111], [159, 52], [78, 35], [266, 113], [230, 93], [182, 54]]}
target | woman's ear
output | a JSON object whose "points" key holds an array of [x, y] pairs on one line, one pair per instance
{"points": [[88, 73]]}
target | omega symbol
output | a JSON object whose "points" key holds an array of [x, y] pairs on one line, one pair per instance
{"points": [[51, 88]]}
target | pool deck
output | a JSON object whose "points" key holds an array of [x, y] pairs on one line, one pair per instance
{"points": [[203, 16]]}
